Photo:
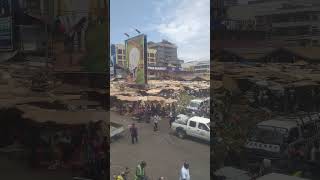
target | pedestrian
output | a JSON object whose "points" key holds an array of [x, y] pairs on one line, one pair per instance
{"points": [[314, 152], [121, 176], [170, 119], [156, 119], [134, 133], [126, 173], [140, 171], [184, 173]]}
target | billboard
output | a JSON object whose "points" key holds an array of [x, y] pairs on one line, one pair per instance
{"points": [[136, 58], [6, 25]]}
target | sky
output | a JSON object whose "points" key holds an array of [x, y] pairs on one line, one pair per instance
{"points": [[185, 23]]}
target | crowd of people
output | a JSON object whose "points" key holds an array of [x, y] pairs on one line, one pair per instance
{"points": [[290, 99], [140, 174], [154, 112], [146, 110], [83, 149]]}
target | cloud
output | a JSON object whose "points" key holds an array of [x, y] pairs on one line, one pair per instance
{"points": [[187, 24]]}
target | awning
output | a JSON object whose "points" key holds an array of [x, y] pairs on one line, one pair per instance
{"points": [[5, 56]]}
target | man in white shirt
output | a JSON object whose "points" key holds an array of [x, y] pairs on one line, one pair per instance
{"points": [[184, 173], [156, 119]]}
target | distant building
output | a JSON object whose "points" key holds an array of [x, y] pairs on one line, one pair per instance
{"points": [[120, 55], [228, 3], [197, 67], [152, 59], [166, 53], [287, 22], [202, 67], [189, 66]]}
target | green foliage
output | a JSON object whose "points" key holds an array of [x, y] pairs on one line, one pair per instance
{"points": [[184, 100], [96, 60]]}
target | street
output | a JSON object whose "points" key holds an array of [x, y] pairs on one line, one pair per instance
{"points": [[163, 152], [17, 170]]}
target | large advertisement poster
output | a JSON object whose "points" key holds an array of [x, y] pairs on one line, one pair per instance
{"points": [[136, 58], [6, 30]]}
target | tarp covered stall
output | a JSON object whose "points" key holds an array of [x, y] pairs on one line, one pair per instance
{"points": [[41, 115]]}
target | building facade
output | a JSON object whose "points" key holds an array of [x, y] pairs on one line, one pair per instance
{"points": [[202, 67], [152, 59], [166, 53], [197, 67], [228, 3], [120, 55], [286, 22]]}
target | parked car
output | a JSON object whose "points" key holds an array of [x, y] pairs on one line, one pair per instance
{"points": [[273, 138], [116, 130], [195, 106], [196, 126]]}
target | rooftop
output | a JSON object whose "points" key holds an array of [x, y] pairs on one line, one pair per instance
{"points": [[200, 119]]}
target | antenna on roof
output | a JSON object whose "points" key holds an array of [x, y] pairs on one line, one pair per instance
{"points": [[127, 34], [137, 31]]}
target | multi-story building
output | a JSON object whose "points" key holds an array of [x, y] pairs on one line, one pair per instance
{"points": [[166, 53], [120, 54], [228, 3], [198, 67], [286, 22], [152, 53], [189, 66], [218, 10], [202, 67]]}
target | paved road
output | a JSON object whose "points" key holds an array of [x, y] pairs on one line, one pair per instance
{"points": [[19, 170], [163, 152]]}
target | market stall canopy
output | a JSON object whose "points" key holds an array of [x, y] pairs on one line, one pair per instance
{"points": [[279, 176], [42, 115], [145, 99], [217, 85], [304, 84], [154, 91], [5, 56], [129, 98], [11, 101], [232, 173], [82, 103]]}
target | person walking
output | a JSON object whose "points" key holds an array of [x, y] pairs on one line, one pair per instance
{"points": [[156, 119], [170, 119], [121, 176], [184, 173], [140, 171], [134, 133], [314, 152]]}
